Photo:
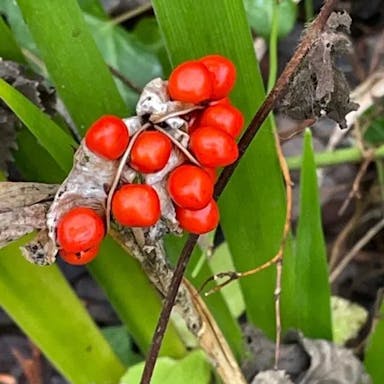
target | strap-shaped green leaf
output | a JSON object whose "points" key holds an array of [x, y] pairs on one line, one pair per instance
{"points": [[57, 143], [73, 61], [306, 291], [45, 307], [374, 352]]}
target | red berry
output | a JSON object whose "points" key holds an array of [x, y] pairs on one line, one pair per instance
{"points": [[226, 117], [150, 152], [201, 221], [190, 82], [224, 73], [108, 137], [79, 229], [79, 258], [190, 187], [136, 205], [212, 173], [213, 147], [223, 101]]}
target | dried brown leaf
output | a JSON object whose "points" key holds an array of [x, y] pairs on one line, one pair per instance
{"points": [[319, 88]]}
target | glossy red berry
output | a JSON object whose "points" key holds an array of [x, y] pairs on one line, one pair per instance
{"points": [[201, 221], [150, 152], [212, 173], [190, 82], [213, 147], [136, 205], [80, 229], [226, 117], [223, 101], [108, 137], [224, 74], [79, 258], [190, 187]]}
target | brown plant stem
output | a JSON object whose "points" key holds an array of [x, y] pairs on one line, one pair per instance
{"points": [[246, 139]]}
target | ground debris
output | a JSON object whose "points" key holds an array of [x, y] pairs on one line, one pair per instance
{"points": [[304, 360], [32, 86]]}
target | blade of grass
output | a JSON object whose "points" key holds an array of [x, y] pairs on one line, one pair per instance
{"points": [[46, 308], [73, 61], [9, 50], [374, 352], [252, 226], [306, 291], [58, 144]]}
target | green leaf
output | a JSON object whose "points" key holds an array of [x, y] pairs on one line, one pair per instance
{"points": [[375, 132], [148, 32], [124, 52], [306, 291], [46, 308], [127, 288], [34, 162], [253, 204], [121, 342], [9, 50], [374, 352], [73, 61], [19, 29], [57, 143], [347, 319], [194, 368], [94, 8], [221, 261], [260, 14]]}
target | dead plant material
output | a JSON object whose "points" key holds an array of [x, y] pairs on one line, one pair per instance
{"points": [[318, 87]]}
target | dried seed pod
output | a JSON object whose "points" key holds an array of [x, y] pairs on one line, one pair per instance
{"points": [[87, 185]]}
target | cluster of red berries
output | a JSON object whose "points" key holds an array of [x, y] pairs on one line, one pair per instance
{"points": [[213, 131]]}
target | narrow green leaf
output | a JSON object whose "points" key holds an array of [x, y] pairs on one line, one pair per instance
{"points": [[73, 61], [127, 288], [57, 143], [374, 352], [216, 303], [45, 307], [19, 29], [306, 291], [221, 261], [34, 162], [9, 50], [252, 207], [94, 8], [122, 343], [192, 369]]}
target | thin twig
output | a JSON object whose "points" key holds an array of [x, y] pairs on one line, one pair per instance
{"points": [[269, 103], [124, 79], [131, 13], [338, 245], [355, 191], [180, 146], [353, 252], [119, 171]]}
